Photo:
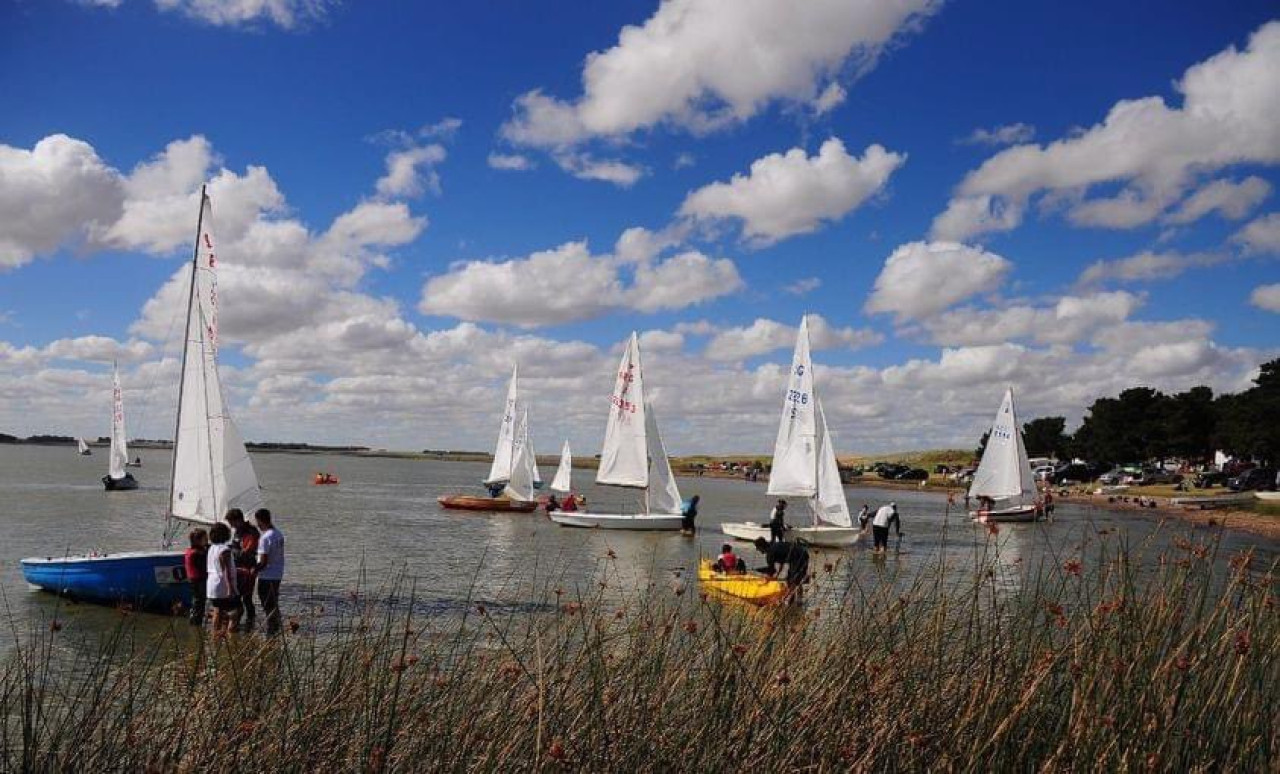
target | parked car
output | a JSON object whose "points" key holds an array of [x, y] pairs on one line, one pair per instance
{"points": [[1075, 473], [891, 471], [1117, 475], [1254, 478], [913, 474], [1208, 478], [1042, 472], [1158, 476]]}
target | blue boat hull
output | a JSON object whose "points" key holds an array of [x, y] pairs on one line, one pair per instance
{"points": [[155, 581]]}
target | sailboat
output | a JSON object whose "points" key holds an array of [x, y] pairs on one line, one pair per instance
{"points": [[211, 470], [804, 462], [1004, 478], [117, 479], [506, 460], [564, 473], [633, 457], [82, 448]]}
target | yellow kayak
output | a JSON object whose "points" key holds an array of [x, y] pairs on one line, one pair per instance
{"points": [[751, 586]]}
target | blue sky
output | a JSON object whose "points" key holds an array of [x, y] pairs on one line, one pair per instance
{"points": [[420, 310]]}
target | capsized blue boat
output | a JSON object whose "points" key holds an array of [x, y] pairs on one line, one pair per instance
{"points": [[144, 580]]}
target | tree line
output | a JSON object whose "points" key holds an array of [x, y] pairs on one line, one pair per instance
{"points": [[1142, 424]]}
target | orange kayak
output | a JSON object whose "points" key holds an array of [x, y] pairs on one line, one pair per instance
{"points": [[322, 479]]}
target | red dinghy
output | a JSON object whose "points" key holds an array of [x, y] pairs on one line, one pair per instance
{"points": [[469, 503]]}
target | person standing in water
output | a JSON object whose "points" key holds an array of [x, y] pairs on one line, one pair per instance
{"points": [[195, 561], [270, 568], [885, 515], [244, 549], [220, 583], [778, 522], [689, 515]]}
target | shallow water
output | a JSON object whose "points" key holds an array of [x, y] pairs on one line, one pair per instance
{"points": [[382, 521]]}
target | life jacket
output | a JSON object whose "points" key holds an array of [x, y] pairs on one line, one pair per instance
{"points": [[728, 562]]}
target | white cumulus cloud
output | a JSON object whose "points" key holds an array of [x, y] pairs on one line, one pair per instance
{"points": [[570, 283], [1261, 235], [1153, 151], [1266, 297], [764, 336], [792, 193], [920, 279]]}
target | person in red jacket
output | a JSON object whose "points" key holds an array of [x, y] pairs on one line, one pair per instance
{"points": [[194, 562], [244, 552], [728, 561]]}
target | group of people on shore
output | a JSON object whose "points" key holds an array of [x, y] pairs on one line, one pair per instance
{"points": [[227, 562]]}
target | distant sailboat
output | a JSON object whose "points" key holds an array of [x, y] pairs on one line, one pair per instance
{"points": [[564, 473], [117, 479], [1004, 476], [211, 468], [83, 448], [804, 462], [505, 461], [633, 457]]}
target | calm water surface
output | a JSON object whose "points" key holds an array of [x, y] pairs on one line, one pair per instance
{"points": [[383, 519]]}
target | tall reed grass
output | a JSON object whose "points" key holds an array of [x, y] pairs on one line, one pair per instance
{"points": [[1100, 662]]}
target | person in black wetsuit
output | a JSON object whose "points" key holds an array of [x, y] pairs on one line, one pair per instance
{"points": [[793, 555], [689, 516], [778, 522]]}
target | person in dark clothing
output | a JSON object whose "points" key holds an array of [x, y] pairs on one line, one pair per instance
{"points": [[793, 555], [689, 516], [195, 560], [244, 554], [552, 504], [495, 489], [778, 522]]}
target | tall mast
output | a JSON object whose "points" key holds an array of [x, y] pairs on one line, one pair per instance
{"points": [[186, 344]]}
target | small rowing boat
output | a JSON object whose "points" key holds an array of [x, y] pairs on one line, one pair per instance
{"points": [[325, 479], [753, 587], [1213, 501], [499, 504]]}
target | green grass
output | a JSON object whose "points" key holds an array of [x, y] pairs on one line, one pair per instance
{"points": [[1103, 661]]}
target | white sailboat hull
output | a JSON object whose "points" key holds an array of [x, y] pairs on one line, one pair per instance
{"points": [[1015, 513], [827, 535], [632, 521]]}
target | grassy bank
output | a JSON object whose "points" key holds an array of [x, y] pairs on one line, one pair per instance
{"points": [[1102, 661]]}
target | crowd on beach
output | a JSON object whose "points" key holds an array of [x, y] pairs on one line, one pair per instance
{"points": [[227, 563]]}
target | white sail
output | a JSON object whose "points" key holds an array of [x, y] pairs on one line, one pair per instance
{"points": [[663, 496], [520, 485], [795, 463], [533, 455], [829, 506], [81, 446], [624, 460], [564, 474], [119, 454], [1004, 471], [503, 453], [211, 469]]}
